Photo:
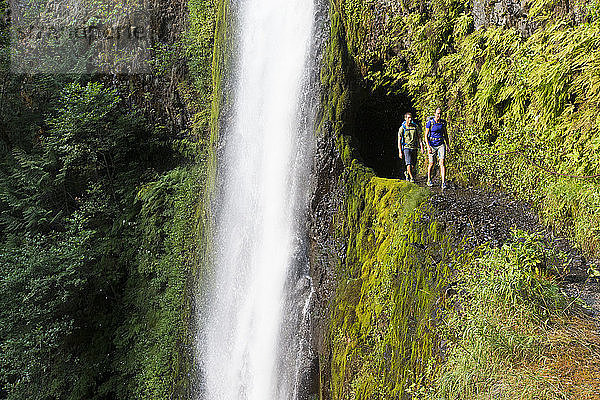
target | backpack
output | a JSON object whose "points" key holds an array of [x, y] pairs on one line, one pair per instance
{"points": [[431, 118], [409, 139]]}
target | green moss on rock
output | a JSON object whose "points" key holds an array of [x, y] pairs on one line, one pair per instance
{"points": [[501, 91], [381, 334], [382, 327]]}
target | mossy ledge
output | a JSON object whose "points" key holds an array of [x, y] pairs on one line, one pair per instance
{"points": [[383, 322]]}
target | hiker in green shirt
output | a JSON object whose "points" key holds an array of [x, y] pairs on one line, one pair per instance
{"points": [[409, 141]]}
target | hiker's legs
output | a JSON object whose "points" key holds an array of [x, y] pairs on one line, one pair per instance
{"points": [[400, 167], [410, 157], [441, 153], [430, 165]]}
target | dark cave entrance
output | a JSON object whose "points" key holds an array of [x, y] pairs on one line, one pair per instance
{"points": [[375, 118]]}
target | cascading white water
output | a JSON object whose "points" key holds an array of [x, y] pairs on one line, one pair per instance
{"points": [[262, 174]]}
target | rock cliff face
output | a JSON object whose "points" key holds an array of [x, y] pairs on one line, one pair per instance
{"points": [[359, 251], [164, 93], [504, 13], [385, 58], [515, 14]]}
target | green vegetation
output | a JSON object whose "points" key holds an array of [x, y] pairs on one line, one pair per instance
{"points": [[102, 229], [511, 331], [67, 214], [154, 345], [199, 45], [546, 113], [383, 328], [382, 332], [532, 99], [389, 339]]}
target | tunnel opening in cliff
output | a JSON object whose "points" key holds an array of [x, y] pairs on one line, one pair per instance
{"points": [[376, 117]]}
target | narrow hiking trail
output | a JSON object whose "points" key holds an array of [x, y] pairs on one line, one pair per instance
{"points": [[478, 216]]}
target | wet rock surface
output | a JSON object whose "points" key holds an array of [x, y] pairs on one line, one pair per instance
{"points": [[482, 216], [476, 216], [326, 249]]}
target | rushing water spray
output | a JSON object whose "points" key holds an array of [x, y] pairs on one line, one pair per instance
{"points": [[263, 176]]}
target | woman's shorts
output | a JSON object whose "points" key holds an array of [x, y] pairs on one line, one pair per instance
{"points": [[438, 151]]}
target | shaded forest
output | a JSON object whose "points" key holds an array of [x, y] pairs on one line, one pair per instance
{"points": [[100, 183]]}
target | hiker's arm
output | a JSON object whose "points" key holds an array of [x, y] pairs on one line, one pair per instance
{"points": [[426, 135], [400, 140]]}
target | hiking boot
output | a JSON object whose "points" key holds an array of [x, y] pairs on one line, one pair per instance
{"points": [[406, 176], [429, 183], [411, 180]]}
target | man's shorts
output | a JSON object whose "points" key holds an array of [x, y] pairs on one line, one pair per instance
{"points": [[438, 151], [410, 156]]}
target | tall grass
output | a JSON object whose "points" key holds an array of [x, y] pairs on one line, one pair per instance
{"points": [[501, 323]]}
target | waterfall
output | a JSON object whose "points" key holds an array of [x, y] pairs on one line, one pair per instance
{"points": [[260, 291]]}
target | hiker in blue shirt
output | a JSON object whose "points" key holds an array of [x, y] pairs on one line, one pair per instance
{"points": [[436, 138], [409, 140]]}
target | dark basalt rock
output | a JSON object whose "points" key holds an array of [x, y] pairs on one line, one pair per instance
{"points": [[326, 250], [482, 216], [515, 14]]}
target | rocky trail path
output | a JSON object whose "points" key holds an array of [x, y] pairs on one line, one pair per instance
{"points": [[486, 216]]}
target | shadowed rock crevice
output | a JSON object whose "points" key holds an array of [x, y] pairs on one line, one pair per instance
{"points": [[374, 121]]}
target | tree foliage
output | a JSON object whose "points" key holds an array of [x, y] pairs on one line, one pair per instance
{"points": [[100, 214], [68, 221]]}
